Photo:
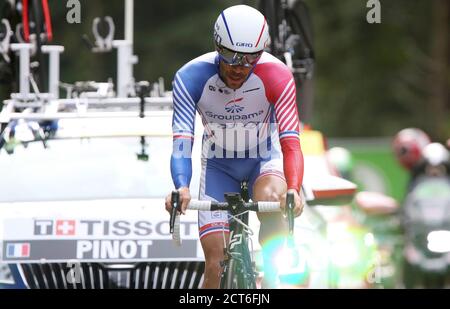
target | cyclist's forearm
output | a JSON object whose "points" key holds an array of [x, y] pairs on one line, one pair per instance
{"points": [[181, 169], [180, 161], [293, 163]]}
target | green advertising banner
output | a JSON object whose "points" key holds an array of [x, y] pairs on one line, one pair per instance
{"points": [[374, 166]]}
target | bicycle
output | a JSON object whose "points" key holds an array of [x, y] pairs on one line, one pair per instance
{"points": [[36, 28], [238, 268], [292, 42]]}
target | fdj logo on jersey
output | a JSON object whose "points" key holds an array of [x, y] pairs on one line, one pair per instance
{"points": [[232, 107]]}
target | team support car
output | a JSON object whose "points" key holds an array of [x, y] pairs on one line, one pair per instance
{"points": [[87, 210]]}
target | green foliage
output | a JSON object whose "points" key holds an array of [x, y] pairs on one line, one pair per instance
{"points": [[371, 78]]}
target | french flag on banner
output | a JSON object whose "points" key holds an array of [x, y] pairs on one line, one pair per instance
{"points": [[18, 250]]}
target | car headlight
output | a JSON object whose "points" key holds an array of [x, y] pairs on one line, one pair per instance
{"points": [[439, 241], [6, 277]]}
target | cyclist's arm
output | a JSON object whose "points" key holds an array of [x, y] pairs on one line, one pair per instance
{"points": [[280, 91], [183, 122], [288, 130]]}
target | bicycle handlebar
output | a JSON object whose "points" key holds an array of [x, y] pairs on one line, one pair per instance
{"points": [[235, 204], [253, 206]]}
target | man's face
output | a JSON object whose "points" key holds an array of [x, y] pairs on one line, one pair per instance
{"points": [[234, 75]]}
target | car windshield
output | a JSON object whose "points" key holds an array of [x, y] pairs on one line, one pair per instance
{"points": [[74, 169]]}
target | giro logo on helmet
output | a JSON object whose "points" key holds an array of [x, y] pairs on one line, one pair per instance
{"points": [[244, 44]]}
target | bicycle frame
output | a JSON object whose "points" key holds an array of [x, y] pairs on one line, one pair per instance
{"points": [[238, 267]]}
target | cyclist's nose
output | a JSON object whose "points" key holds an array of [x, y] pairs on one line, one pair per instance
{"points": [[238, 69]]}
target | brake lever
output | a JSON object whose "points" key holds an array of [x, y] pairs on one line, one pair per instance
{"points": [[175, 202], [289, 210]]}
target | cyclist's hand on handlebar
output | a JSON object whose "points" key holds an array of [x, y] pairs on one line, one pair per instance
{"points": [[298, 201], [185, 198]]}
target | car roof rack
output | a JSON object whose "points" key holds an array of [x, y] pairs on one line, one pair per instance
{"points": [[84, 99]]}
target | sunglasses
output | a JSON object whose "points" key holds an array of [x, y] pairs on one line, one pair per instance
{"points": [[231, 57]]}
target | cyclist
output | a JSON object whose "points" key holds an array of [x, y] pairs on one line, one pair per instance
{"points": [[239, 89], [408, 145]]}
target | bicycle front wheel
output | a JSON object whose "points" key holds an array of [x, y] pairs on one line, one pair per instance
{"points": [[236, 276]]}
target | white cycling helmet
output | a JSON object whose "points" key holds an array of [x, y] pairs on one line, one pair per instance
{"points": [[436, 154], [242, 29]]}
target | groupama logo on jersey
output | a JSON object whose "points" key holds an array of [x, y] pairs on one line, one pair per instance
{"points": [[232, 107]]}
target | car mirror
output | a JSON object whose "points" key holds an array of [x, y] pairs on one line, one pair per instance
{"points": [[329, 190]]}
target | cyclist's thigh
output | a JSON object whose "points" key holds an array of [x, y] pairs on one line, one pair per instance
{"points": [[268, 184], [272, 167], [213, 183]]}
